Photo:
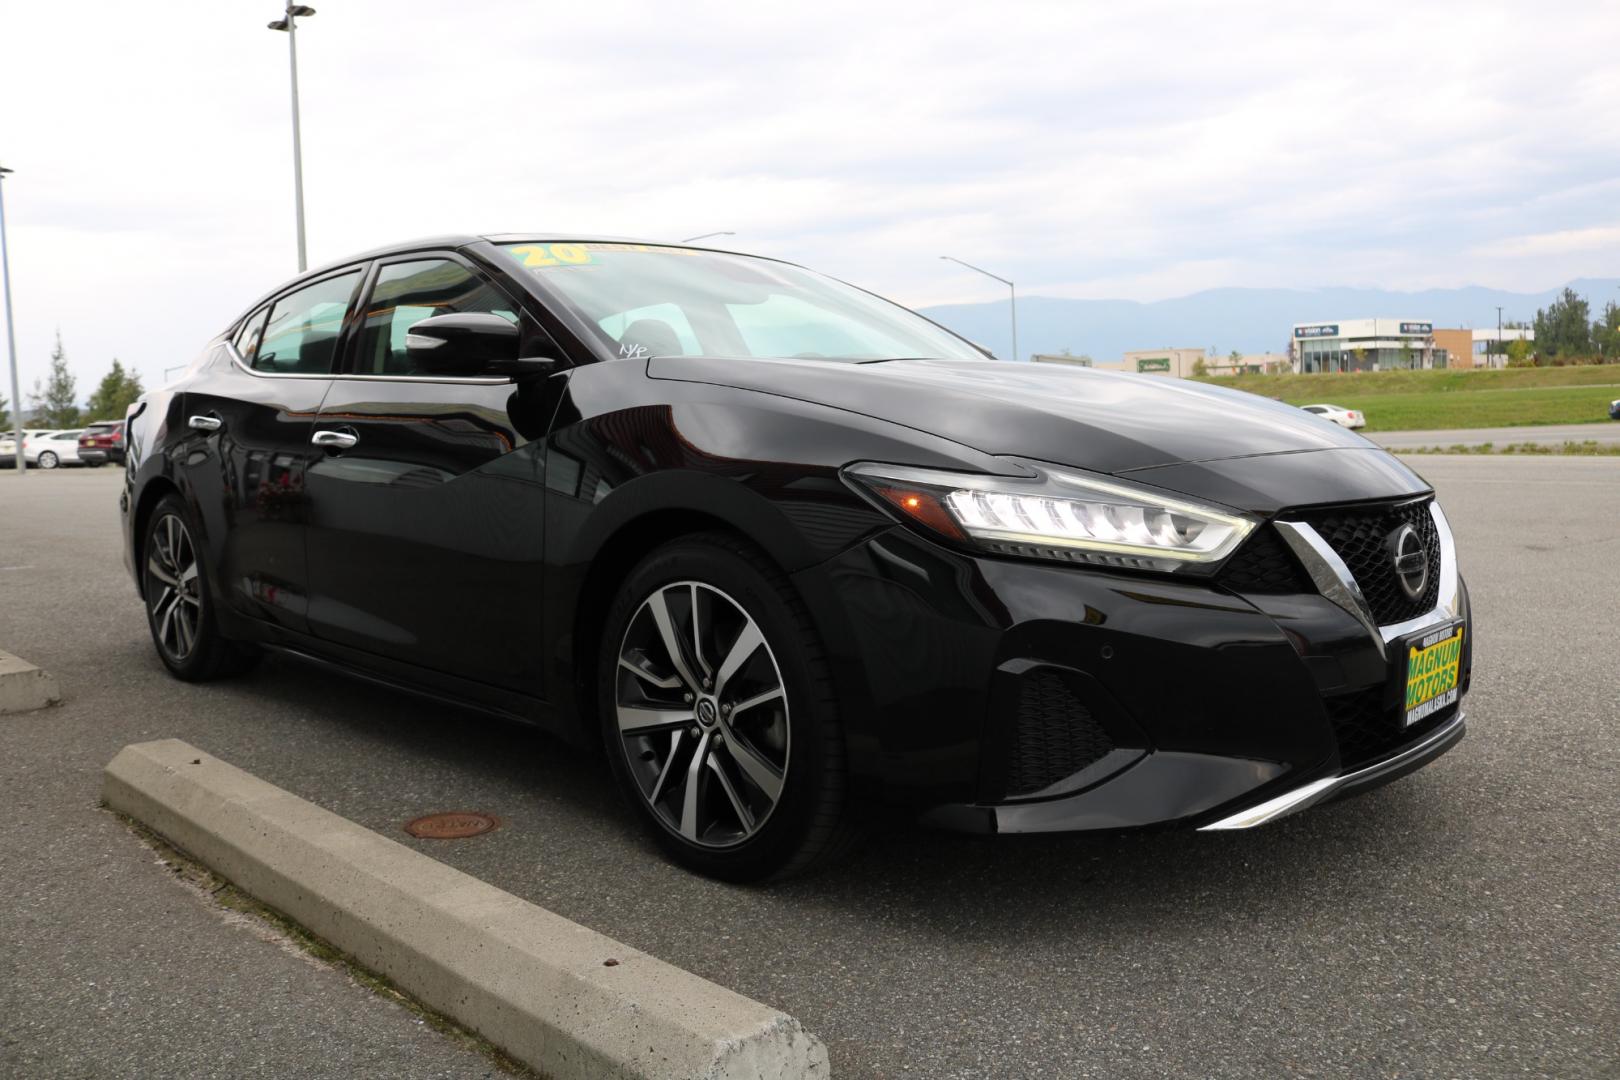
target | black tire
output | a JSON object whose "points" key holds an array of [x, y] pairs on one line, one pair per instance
{"points": [[184, 629], [48, 460], [809, 824]]}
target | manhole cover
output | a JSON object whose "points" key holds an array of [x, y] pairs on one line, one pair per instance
{"points": [[452, 826]]}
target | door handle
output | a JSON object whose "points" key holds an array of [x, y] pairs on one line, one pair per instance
{"points": [[209, 422], [334, 440]]}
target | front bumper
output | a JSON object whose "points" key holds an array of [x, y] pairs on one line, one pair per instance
{"points": [[1395, 766], [1203, 706]]}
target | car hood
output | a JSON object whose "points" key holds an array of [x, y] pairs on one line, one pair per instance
{"points": [[1102, 421]]}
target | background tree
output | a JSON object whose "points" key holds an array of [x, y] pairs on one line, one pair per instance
{"points": [[54, 406], [1200, 369], [1565, 327], [115, 394], [1606, 332], [1520, 353], [5, 416]]}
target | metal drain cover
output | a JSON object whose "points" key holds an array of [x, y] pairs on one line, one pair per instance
{"points": [[456, 825]]}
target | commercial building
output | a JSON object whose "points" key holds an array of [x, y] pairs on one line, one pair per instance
{"points": [[1490, 345], [1177, 363], [1266, 363], [1363, 345]]}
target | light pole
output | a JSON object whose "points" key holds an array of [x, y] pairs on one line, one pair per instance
{"points": [[1499, 346], [1012, 296], [289, 24], [11, 333], [706, 235]]}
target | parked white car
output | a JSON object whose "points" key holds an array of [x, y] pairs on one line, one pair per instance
{"points": [[1349, 418], [53, 449], [8, 445]]}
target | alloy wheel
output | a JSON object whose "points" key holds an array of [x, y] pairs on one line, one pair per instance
{"points": [[702, 714], [174, 587], [47, 460]]}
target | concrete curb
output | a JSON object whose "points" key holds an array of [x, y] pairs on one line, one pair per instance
{"points": [[531, 982], [24, 687]]}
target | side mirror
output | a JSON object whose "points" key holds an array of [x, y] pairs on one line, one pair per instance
{"points": [[469, 343]]}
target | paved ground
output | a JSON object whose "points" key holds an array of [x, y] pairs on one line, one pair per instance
{"points": [[1463, 922], [1546, 435]]}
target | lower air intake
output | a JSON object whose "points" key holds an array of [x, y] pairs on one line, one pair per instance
{"points": [[1054, 735]]}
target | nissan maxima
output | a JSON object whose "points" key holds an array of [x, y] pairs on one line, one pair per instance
{"points": [[789, 553]]}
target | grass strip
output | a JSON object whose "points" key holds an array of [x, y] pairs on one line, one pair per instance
{"points": [[1579, 449]]}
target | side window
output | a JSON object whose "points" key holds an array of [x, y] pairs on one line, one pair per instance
{"points": [[408, 292], [656, 330], [302, 334], [248, 335]]}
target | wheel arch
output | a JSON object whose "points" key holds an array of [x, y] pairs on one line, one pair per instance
{"points": [[635, 520]]}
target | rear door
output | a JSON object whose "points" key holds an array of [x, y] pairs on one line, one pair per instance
{"points": [[426, 512], [247, 445]]}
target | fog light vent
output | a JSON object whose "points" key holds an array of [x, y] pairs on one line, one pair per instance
{"points": [[1054, 735]]}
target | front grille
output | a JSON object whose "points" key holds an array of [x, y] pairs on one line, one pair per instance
{"points": [[1367, 730], [1359, 535], [1264, 565], [1053, 736]]}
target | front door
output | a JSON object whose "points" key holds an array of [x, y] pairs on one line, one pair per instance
{"points": [[427, 510]]}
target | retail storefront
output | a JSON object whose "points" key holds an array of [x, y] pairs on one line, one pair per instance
{"points": [[1363, 345]]}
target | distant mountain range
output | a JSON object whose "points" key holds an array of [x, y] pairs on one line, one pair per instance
{"points": [[1250, 320]]}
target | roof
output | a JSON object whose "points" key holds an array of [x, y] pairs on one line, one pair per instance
{"points": [[459, 240]]}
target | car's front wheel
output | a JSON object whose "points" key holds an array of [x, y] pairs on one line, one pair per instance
{"points": [[718, 713], [48, 460], [179, 608]]}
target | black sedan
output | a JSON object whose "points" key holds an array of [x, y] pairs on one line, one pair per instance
{"points": [[788, 551]]}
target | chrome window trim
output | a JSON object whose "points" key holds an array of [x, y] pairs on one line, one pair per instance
{"points": [[1314, 792], [468, 380], [1334, 581]]}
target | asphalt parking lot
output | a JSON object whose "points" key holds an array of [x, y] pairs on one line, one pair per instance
{"points": [[1462, 922]]}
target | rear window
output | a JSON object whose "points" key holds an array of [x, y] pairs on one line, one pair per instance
{"points": [[101, 429]]}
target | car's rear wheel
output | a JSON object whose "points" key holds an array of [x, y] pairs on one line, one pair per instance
{"points": [[179, 607], [718, 713], [47, 460]]}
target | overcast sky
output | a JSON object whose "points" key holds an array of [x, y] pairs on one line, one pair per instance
{"points": [[1132, 150]]}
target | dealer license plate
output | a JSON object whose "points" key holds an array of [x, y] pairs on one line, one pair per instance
{"points": [[1433, 666]]}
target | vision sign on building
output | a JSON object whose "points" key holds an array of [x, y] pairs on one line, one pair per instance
{"points": [[1153, 363], [1321, 330], [1417, 328]]}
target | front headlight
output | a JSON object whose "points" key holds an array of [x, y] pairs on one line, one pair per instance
{"points": [[1058, 514]]}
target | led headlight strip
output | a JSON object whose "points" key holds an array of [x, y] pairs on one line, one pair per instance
{"points": [[1057, 514]]}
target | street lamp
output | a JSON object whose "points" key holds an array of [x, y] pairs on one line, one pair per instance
{"points": [[706, 235], [289, 24], [11, 333], [1012, 296]]}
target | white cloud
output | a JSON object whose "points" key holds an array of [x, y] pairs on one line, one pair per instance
{"points": [[1082, 149], [1562, 242]]}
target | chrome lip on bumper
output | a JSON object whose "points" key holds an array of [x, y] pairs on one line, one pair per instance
{"points": [[1317, 790]]}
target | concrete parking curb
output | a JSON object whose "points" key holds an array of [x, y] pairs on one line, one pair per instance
{"points": [[24, 687], [531, 982]]}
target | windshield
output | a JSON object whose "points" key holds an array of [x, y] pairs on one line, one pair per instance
{"points": [[668, 301]]}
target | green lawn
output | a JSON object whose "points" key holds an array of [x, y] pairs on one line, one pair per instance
{"points": [[1432, 400]]}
